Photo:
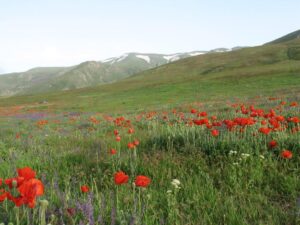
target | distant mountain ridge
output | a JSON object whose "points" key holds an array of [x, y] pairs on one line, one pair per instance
{"points": [[289, 37], [93, 73], [86, 74]]}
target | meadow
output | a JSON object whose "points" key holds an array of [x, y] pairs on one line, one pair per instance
{"points": [[211, 139], [230, 161]]}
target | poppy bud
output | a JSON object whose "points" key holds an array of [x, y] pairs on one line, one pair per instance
{"points": [[44, 205], [14, 183]]}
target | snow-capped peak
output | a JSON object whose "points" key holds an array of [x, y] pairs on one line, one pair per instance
{"points": [[144, 57], [108, 60], [172, 58], [122, 57], [115, 59]]}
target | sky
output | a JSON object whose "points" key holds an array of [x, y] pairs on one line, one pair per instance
{"points": [[35, 33]]}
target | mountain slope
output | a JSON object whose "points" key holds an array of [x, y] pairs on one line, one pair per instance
{"points": [[291, 36], [255, 71], [86, 74], [15, 82]]}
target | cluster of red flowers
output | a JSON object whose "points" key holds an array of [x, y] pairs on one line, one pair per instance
{"points": [[122, 178], [122, 122], [42, 123], [133, 144], [140, 181], [271, 119], [25, 184], [94, 120]]}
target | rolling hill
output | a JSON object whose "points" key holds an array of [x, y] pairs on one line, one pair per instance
{"points": [[86, 74], [272, 69], [291, 36]]}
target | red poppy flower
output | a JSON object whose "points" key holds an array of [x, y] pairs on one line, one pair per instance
{"points": [[193, 111], [201, 122], [130, 131], [280, 118], [130, 145], [118, 138], [282, 103], [27, 173], [116, 132], [265, 130], [136, 142], [263, 122], [121, 178], [213, 118], [3, 195], [113, 151], [286, 154], [1, 181], [202, 114], [215, 133], [293, 104], [29, 190], [18, 180], [142, 181], [294, 119], [272, 144], [84, 189]]}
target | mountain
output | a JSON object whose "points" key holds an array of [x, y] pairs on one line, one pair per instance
{"points": [[267, 70], [291, 36], [87, 74]]}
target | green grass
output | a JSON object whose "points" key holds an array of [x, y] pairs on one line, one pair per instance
{"points": [[217, 187]]}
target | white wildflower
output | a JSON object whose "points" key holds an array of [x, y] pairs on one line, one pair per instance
{"points": [[176, 183], [245, 155], [231, 152]]}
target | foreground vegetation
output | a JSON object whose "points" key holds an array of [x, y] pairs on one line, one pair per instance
{"points": [[213, 163]]}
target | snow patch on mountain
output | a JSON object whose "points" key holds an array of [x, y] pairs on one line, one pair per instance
{"points": [[122, 57], [171, 58], [196, 53], [115, 59], [108, 60], [144, 57], [220, 50]]}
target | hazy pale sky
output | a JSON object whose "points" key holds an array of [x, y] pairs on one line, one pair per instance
{"points": [[66, 32]]}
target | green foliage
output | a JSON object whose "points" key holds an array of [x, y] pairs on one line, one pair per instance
{"points": [[230, 179], [294, 53]]}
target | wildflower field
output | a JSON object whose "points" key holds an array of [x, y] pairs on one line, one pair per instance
{"points": [[234, 162]]}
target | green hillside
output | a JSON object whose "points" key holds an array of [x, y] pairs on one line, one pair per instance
{"points": [[291, 36], [86, 74], [268, 69]]}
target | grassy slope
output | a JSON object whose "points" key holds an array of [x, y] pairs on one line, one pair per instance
{"points": [[288, 37], [12, 83], [247, 72]]}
